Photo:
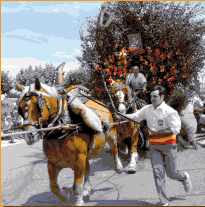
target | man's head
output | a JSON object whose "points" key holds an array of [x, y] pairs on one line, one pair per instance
{"points": [[157, 95], [136, 71]]}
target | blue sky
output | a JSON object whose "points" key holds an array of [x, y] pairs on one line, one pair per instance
{"points": [[34, 33]]}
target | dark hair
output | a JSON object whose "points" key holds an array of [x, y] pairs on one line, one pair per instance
{"points": [[161, 89]]}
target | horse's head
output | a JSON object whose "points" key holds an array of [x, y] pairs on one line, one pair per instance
{"points": [[121, 95], [36, 104]]}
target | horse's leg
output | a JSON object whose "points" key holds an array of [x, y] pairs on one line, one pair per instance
{"points": [[112, 138], [53, 171], [79, 170], [132, 167], [87, 187]]}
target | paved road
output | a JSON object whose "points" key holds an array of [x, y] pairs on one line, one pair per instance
{"points": [[24, 180]]}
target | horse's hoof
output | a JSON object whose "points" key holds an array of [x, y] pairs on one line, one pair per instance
{"points": [[118, 170], [79, 203], [132, 169]]}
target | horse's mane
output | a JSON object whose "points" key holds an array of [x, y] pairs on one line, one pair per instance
{"points": [[51, 91]]}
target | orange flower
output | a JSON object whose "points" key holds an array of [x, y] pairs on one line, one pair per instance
{"points": [[132, 50], [166, 76], [99, 68], [141, 58], [157, 52], [115, 44], [154, 79], [162, 68], [105, 59], [138, 18], [141, 67]]}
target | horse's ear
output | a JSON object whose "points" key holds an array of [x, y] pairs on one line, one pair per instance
{"points": [[19, 87], [37, 84]]}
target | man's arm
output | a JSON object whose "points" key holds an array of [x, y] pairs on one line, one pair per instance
{"points": [[137, 116]]}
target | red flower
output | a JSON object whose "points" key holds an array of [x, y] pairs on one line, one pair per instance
{"points": [[171, 79], [152, 59], [165, 46], [120, 73], [189, 62], [113, 58], [177, 44], [160, 81], [170, 84], [154, 67], [163, 56], [157, 52], [123, 70], [110, 80], [115, 70], [115, 44], [186, 75], [105, 59], [170, 54], [109, 72], [102, 52], [99, 68]]}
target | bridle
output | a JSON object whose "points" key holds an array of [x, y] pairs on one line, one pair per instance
{"points": [[40, 100]]}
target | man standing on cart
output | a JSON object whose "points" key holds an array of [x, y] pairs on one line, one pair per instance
{"points": [[137, 82]]}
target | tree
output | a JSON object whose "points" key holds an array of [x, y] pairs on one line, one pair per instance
{"points": [[172, 45], [28, 76], [6, 82]]}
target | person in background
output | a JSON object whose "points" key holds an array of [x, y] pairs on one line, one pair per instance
{"points": [[164, 124], [137, 83], [198, 112]]}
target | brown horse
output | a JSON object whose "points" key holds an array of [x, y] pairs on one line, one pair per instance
{"points": [[66, 148], [124, 103]]}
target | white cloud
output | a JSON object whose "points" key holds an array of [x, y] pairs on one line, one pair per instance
{"points": [[55, 9], [77, 7], [62, 54]]}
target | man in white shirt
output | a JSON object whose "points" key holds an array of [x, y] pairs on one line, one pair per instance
{"points": [[164, 124], [137, 82]]}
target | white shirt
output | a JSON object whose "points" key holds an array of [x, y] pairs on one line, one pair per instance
{"points": [[160, 118], [136, 83]]}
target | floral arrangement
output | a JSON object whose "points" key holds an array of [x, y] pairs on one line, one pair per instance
{"points": [[159, 65]]}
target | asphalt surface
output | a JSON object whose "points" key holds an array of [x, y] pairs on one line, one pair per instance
{"points": [[25, 181]]}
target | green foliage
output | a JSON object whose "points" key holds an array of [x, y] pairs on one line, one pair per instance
{"points": [[6, 82]]}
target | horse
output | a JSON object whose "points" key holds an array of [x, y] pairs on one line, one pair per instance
{"points": [[124, 102], [66, 148]]}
